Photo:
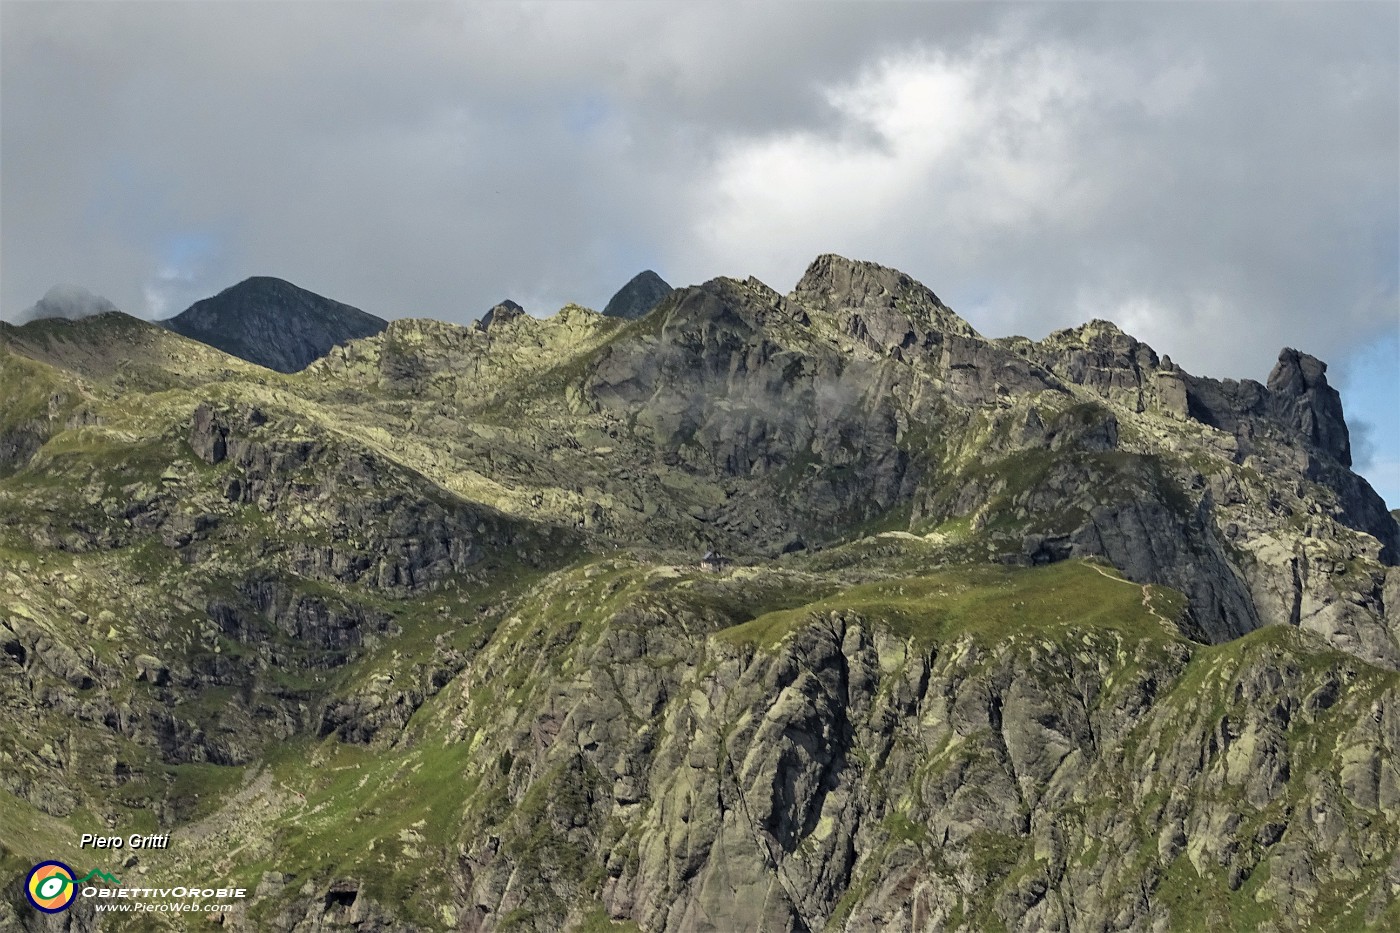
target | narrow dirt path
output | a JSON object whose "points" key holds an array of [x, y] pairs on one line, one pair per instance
{"points": [[1146, 598]]}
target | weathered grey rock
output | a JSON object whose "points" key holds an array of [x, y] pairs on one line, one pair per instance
{"points": [[1302, 398], [834, 284], [500, 314], [1100, 357], [151, 670], [787, 776], [208, 435]]}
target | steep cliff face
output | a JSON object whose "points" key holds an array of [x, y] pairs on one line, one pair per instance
{"points": [[1302, 399], [1016, 634]]}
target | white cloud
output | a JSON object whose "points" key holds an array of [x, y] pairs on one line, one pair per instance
{"points": [[946, 155]]}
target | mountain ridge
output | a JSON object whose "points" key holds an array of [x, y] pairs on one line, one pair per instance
{"points": [[1020, 634]]}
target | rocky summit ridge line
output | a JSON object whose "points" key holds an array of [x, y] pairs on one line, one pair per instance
{"points": [[1009, 634]]}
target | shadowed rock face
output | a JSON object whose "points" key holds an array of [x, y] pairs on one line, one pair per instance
{"points": [[273, 323], [638, 297], [1303, 399]]}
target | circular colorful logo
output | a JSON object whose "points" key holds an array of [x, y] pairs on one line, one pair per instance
{"points": [[50, 887]]}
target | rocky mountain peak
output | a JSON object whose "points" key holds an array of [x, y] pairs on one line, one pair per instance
{"points": [[1303, 398], [1296, 373], [247, 297], [640, 295], [499, 314], [1098, 334], [1100, 330], [273, 323], [836, 284]]}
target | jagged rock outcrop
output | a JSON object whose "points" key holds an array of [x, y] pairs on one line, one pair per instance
{"points": [[416, 541], [836, 285], [1302, 399], [1115, 365], [716, 392], [501, 313]]}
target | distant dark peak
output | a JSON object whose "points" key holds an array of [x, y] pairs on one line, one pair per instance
{"points": [[638, 297], [66, 301], [500, 314], [273, 323], [254, 288], [270, 282]]}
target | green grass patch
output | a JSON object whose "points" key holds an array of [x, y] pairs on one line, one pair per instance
{"points": [[990, 602]]}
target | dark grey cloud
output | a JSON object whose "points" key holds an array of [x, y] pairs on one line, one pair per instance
{"points": [[1221, 178]]}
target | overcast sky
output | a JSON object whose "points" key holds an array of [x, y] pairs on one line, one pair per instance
{"points": [[1220, 179]]}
